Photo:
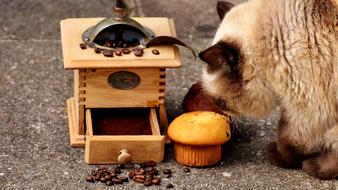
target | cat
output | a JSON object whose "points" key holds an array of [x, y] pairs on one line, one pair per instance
{"points": [[281, 53]]}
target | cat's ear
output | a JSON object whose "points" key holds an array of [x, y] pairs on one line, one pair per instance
{"points": [[219, 54], [223, 7]]}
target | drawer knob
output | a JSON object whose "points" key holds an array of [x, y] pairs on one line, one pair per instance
{"points": [[124, 157]]}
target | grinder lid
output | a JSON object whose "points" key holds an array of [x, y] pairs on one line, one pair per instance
{"points": [[117, 31]]}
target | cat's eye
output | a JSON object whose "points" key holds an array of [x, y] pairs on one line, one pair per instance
{"points": [[221, 53]]}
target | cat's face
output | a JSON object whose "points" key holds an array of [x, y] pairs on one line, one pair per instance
{"points": [[232, 72]]}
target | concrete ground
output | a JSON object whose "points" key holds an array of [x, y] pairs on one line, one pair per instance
{"points": [[34, 144]]}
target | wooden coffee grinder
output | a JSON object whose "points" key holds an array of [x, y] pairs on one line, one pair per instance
{"points": [[119, 85]]}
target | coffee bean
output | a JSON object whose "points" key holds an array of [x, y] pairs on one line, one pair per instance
{"points": [[105, 170], [149, 177], [149, 169], [139, 177], [139, 180], [118, 53], [83, 46], [169, 186], [117, 181], [138, 52], [108, 53], [97, 177], [155, 172], [151, 163], [143, 165], [123, 178], [109, 183], [125, 51], [131, 175], [103, 180], [166, 171], [167, 175], [156, 181], [113, 175], [186, 170], [93, 172], [139, 172], [90, 179], [97, 50], [116, 170], [108, 177], [155, 52], [121, 166], [148, 182]]}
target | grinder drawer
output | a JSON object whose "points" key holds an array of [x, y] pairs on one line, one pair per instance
{"points": [[118, 135]]}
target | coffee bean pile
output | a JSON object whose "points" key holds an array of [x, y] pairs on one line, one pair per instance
{"points": [[138, 52], [109, 177], [146, 174]]}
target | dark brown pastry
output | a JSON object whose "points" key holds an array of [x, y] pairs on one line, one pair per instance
{"points": [[197, 99]]}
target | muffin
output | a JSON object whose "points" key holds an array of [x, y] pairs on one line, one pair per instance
{"points": [[198, 137]]}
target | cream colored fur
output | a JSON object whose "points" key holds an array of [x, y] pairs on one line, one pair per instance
{"points": [[290, 49]]}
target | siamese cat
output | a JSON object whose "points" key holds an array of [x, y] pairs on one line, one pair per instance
{"points": [[281, 53]]}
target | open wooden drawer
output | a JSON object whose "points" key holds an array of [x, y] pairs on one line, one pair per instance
{"points": [[118, 135]]}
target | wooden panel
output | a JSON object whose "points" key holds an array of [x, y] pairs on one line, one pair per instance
{"points": [[105, 149], [74, 57], [76, 140], [76, 98], [89, 123], [155, 129], [79, 80], [99, 94]]}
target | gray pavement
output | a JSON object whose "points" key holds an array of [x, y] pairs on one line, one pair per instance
{"points": [[34, 143]]}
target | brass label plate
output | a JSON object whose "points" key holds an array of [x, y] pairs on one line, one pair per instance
{"points": [[124, 80]]}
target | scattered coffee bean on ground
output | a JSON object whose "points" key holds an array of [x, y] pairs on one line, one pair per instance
{"points": [[117, 181], [90, 179], [169, 186], [151, 163], [109, 183], [123, 178], [186, 170], [131, 175], [166, 171], [121, 166], [156, 181], [148, 175], [143, 165], [148, 182]]}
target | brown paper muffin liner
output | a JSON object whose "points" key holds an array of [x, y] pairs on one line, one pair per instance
{"points": [[197, 155]]}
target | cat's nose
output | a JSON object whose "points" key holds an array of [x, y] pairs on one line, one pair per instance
{"points": [[201, 56]]}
